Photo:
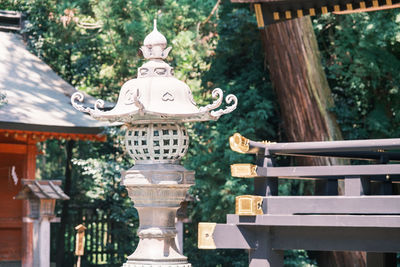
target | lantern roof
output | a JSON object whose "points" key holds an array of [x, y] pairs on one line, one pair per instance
{"points": [[36, 98], [44, 189], [156, 95]]}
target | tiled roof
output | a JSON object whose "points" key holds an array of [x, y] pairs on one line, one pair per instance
{"points": [[45, 189]]}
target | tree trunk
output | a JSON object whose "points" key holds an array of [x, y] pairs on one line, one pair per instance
{"points": [[305, 100]]}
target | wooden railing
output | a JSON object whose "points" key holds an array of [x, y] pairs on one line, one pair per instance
{"points": [[365, 218]]}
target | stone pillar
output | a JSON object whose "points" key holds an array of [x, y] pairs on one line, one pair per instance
{"points": [[157, 191], [41, 242]]}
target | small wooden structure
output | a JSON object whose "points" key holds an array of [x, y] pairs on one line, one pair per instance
{"points": [[366, 218], [79, 243], [41, 196], [36, 107]]}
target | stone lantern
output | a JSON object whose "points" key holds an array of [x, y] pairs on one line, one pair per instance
{"points": [[154, 107], [41, 196]]}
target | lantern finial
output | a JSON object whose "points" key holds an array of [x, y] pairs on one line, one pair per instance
{"points": [[154, 45]]}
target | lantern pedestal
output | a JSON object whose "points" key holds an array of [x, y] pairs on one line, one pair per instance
{"points": [[157, 191]]}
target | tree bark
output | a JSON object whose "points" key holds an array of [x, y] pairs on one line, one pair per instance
{"points": [[305, 100]]}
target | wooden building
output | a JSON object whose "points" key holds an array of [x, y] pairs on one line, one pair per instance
{"points": [[34, 106]]}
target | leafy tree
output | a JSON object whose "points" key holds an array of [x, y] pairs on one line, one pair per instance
{"points": [[362, 59], [94, 46]]}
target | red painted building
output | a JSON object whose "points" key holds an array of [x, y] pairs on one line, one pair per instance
{"points": [[35, 106]]}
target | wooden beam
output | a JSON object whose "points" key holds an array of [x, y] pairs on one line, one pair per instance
{"points": [[8, 148], [330, 171], [349, 221], [322, 238], [37, 136], [337, 239], [389, 204], [367, 9], [224, 236]]}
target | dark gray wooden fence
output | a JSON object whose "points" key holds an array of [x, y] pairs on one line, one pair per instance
{"points": [[102, 248]]}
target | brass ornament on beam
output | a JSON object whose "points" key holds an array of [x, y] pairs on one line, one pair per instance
{"points": [[244, 170], [248, 205], [205, 235], [239, 143]]}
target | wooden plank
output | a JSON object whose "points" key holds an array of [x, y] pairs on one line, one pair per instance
{"points": [[373, 148], [7, 148], [350, 221], [10, 222], [330, 171], [337, 239], [10, 244], [324, 238], [226, 236], [331, 204]]}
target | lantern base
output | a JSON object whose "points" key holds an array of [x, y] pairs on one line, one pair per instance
{"points": [[157, 191], [163, 253]]}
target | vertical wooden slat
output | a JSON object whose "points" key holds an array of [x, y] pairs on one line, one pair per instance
{"points": [[336, 8], [96, 239], [90, 236], [259, 15], [104, 237], [299, 13]]}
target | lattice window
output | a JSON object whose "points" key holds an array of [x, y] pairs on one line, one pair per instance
{"points": [[159, 142]]}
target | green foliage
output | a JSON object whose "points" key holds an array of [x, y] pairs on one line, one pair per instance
{"points": [[298, 258], [362, 59], [94, 45], [210, 155]]}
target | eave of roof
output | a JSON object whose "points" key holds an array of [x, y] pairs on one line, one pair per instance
{"points": [[271, 11], [37, 98], [44, 189]]}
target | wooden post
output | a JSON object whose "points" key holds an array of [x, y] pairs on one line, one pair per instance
{"points": [[27, 228], [80, 243]]}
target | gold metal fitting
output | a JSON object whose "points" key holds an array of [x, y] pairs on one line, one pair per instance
{"points": [[266, 142], [244, 170], [205, 237], [248, 205], [259, 16], [239, 143]]}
